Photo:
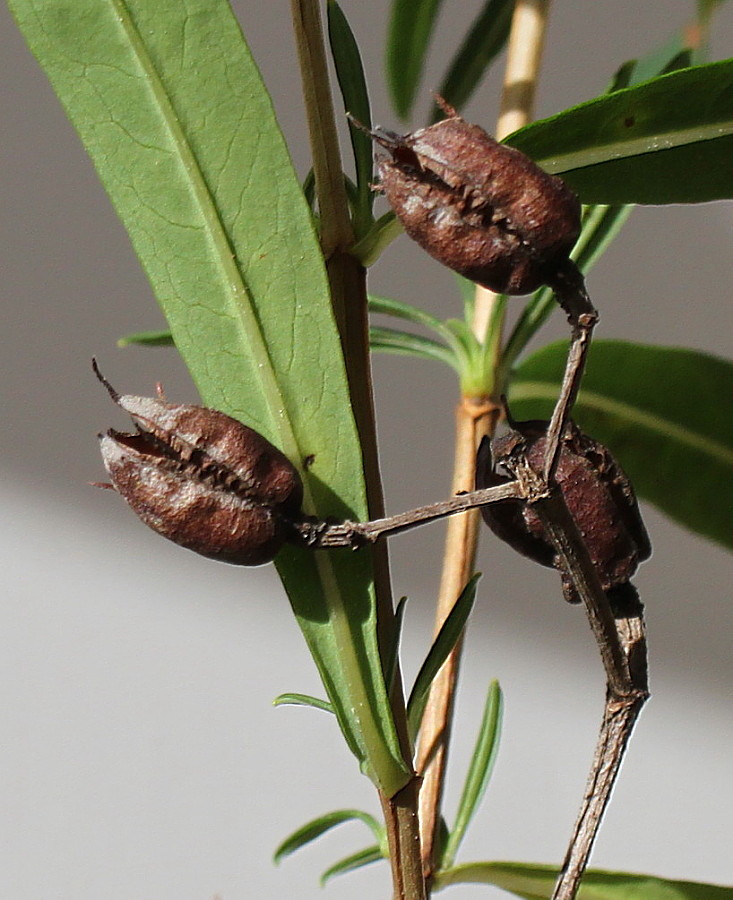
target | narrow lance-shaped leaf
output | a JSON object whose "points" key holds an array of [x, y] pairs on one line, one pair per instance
{"points": [[482, 44], [147, 339], [353, 862], [479, 771], [317, 827], [400, 310], [663, 413], [391, 340], [350, 75], [670, 57], [393, 651], [535, 882], [303, 700], [669, 140], [410, 29], [449, 634], [377, 239], [172, 109]]}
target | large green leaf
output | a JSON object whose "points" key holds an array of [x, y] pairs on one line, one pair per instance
{"points": [[535, 882], [669, 140], [665, 414], [171, 107]]}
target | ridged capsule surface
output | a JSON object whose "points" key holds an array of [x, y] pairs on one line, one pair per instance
{"points": [[203, 480], [598, 495], [481, 208]]}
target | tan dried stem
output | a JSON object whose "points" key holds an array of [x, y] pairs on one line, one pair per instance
{"points": [[475, 417]]}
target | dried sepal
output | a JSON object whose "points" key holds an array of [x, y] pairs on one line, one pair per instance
{"points": [[203, 480], [598, 495], [481, 208]]}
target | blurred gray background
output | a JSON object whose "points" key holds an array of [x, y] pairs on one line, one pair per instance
{"points": [[140, 756]]}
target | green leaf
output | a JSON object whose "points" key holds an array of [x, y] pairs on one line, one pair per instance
{"points": [[147, 339], [680, 51], [536, 882], [309, 188], [391, 340], [377, 239], [388, 306], [350, 75], [392, 656], [663, 412], [351, 863], [448, 636], [669, 140], [171, 107], [601, 224], [479, 770], [410, 29], [463, 333], [483, 42], [467, 290], [303, 700], [668, 58], [316, 827]]}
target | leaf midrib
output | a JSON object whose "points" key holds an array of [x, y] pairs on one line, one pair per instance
{"points": [[641, 146], [239, 298]]}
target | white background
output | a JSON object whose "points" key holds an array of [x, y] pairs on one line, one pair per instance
{"points": [[139, 753]]}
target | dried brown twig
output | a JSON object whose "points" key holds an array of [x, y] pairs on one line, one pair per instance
{"points": [[621, 640]]}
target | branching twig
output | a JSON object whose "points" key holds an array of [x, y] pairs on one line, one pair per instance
{"points": [[569, 287], [621, 640], [356, 534]]}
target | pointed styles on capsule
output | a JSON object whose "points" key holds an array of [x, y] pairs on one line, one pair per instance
{"points": [[481, 208], [202, 479]]}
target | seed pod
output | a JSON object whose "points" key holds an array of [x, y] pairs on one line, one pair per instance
{"points": [[203, 480], [598, 495], [481, 208]]}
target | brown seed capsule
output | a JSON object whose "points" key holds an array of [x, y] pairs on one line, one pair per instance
{"points": [[598, 495], [203, 480], [481, 208]]}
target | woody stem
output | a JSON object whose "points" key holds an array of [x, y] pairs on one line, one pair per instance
{"points": [[356, 534]]}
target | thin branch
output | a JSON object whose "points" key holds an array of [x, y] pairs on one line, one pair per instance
{"points": [[569, 287], [356, 534], [336, 229], [621, 641], [619, 717]]}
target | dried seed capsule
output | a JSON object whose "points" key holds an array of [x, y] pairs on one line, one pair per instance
{"points": [[203, 480], [598, 495], [481, 208]]}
